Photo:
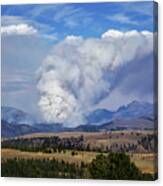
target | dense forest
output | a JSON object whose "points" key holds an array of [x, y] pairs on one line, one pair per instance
{"points": [[41, 168], [113, 166]]}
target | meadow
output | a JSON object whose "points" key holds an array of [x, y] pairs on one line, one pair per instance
{"points": [[85, 146], [145, 162]]}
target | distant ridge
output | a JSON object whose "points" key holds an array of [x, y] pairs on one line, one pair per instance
{"points": [[134, 116], [133, 110], [16, 116]]}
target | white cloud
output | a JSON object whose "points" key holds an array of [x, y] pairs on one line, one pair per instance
{"points": [[122, 18], [73, 38], [16, 25], [113, 34], [19, 29], [78, 72]]}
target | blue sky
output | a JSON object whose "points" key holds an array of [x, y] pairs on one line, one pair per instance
{"points": [[88, 20], [29, 32]]}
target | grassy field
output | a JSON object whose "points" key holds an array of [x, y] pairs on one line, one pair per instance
{"points": [[67, 156], [99, 138], [145, 162], [95, 135]]}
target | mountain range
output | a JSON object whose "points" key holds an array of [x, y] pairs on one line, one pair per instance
{"points": [[136, 115], [133, 110], [16, 116]]}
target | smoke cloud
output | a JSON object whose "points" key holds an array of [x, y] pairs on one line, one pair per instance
{"points": [[78, 73]]}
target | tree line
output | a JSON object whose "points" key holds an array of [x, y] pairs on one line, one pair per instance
{"points": [[56, 144], [114, 166]]}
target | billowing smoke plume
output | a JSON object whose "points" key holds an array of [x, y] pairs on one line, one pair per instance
{"points": [[77, 73]]}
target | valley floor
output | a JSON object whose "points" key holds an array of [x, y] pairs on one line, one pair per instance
{"points": [[144, 157], [145, 162]]}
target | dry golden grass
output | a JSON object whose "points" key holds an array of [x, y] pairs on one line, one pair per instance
{"points": [[145, 162], [98, 139], [61, 134], [90, 135], [67, 157]]}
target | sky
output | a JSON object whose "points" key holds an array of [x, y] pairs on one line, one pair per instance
{"points": [[60, 61]]}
